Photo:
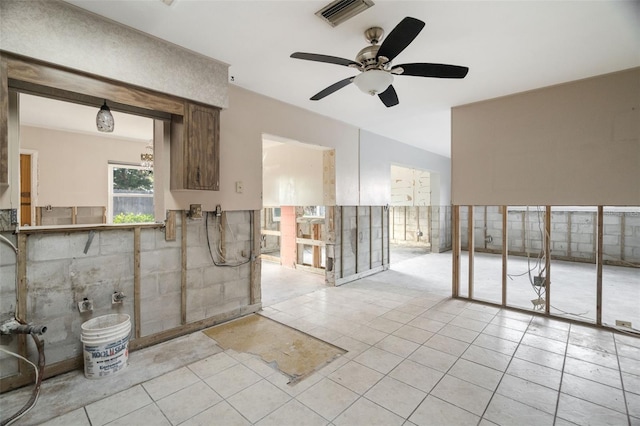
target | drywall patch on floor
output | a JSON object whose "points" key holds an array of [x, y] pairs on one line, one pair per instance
{"points": [[293, 352]]}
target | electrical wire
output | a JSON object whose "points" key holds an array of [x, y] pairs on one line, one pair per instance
{"points": [[39, 373], [219, 247]]}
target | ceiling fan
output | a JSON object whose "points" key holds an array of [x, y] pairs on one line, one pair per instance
{"points": [[374, 63]]}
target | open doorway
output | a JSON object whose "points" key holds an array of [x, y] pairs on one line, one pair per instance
{"points": [[298, 183]]}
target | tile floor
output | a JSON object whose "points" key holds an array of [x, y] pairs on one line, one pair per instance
{"points": [[415, 357]]}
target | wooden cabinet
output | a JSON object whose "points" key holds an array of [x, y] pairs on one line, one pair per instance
{"points": [[195, 148]]}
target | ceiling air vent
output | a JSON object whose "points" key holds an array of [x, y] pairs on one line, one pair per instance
{"points": [[339, 11]]}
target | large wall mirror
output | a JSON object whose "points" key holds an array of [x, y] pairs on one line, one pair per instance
{"points": [[70, 173]]}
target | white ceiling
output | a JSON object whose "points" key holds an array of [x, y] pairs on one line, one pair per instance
{"points": [[509, 46]]}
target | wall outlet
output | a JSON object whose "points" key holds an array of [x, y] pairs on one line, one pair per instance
{"points": [[539, 281], [239, 187], [195, 211], [621, 323]]}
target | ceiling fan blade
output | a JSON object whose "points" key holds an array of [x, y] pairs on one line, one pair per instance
{"points": [[433, 70], [389, 97], [324, 58], [400, 37], [334, 87]]}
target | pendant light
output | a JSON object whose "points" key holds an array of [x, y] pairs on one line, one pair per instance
{"points": [[104, 119]]}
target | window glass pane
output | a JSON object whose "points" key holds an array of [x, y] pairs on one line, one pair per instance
{"points": [[131, 194]]}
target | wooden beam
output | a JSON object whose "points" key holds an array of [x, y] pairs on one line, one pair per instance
{"points": [[505, 253], [136, 281], [547, 254], [471, 236], [455, 243], [170, 226], [183, 266], [599, 251], [255, 289], [370, 238], [41, 73]]}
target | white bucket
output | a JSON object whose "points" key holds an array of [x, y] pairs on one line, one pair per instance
{"points": [[105, 345]]}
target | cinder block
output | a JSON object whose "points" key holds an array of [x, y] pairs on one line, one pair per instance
{"points": [[116, 242]]}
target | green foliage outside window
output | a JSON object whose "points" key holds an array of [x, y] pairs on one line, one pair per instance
{"points": [[133, 218]]}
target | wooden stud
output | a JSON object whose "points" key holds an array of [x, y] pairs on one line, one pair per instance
{"points": [[255, 289], [21, 305], [455, 235], [599, 259], [547, 254], [370, 239], [170, 226], [505, 253], [623, 225], [357, 238], [136, 281], [569, 234], [341, 241], [74, 215], [183, 267], [471, 236]]}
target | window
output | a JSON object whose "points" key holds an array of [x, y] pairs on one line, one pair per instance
{"points": [[130, 194]]}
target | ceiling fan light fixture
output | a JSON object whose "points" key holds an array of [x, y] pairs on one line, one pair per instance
{"points": [[373, 81], [104, 119]]}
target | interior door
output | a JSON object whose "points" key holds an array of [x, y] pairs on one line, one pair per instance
{"points": [[25, 189]]}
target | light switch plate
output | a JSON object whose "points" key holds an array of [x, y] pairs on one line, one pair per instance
{"points": [[239, 187]]}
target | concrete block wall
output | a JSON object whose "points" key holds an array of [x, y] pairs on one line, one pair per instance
{"points": [[440, 232], [410, 225], [573, 232], [357, 242], [62, 268]]}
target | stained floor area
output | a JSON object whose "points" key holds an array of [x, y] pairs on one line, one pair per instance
{"points": [[414, 357]]}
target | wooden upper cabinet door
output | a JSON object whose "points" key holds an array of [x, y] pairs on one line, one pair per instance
{"points": [[195, 149]]}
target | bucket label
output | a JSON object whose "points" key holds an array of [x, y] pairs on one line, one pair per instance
{"points": [[104, 360]]}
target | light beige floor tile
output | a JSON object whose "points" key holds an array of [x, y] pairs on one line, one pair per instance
{"points": [[633, 404], [379, 360], [400, 316], [410, 308], [171, 382], [477, 374], [503, 332], [563, 422], [327, 398], [365, 413], [384, 325], [510, 323], [283, 382], [479, 307], [629, 365], [188, 402], [415, 334], [356, 377], [258, 365], [597, 393], [232, 380], [529, 393], [447, 345], [539, 356], [258, 400], [433, 358], [396, 396], [352, 346], [497, 344], [469, 323], [428, 324], [367, 335], [222, 414], [76, 418], [583, 412], [631, 383], [485, 317], [462, 394], [545, 343], [333, 365], [595, 372], [602, 343], [506, 411], [627, 340], [212, 365], [149, 415], [416, 375], [397, 346], [591, 355], [434, 411], [629, 351], [293, 413], [459, 333], [118, 405], [549, 332], [487, 357], [535, 373], [517, 315]]}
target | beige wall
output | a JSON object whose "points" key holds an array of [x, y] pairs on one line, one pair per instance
{"points": [[72, 167], [572, 144]]}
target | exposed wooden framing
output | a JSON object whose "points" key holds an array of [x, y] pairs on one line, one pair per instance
{"points": [[471, 236], [4, 122], [524, 231], [183, 266], [404, 231], [310, 242], [21, 304], [341, 242], [255, 289], [38, 216], [270, 232], [599, 252], [136, 281], [595, 232], [357, 237], [569, 215], [37, 72], [170, 226], [370, 238], [429, 226], [94, 227], [623, 225], [74, 215], [484, 233], [505, 253], [547, 254], [455, 243]]}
